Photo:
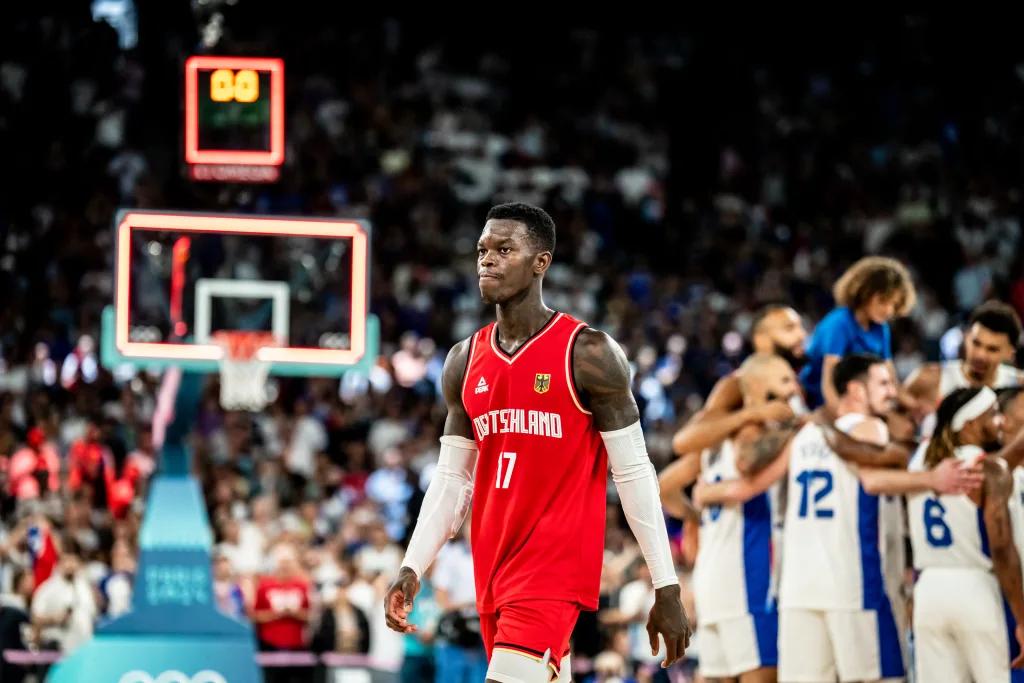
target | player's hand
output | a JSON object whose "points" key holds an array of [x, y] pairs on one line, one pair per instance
{"points": [[668, 618], [773, 411], [398, 601], [1018, 662], [698, 495], [951, 476]]}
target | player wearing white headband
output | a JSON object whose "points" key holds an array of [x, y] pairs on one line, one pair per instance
{"points": [[964, 546]]}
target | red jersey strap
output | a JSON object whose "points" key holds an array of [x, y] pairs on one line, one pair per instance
{"points": [[469, 364], [570, 378], [470, 357]]}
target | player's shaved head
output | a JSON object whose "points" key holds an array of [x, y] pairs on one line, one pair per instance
{"points": [[766, 376], [758, 365]]}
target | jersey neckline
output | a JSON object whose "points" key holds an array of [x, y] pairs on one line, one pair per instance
{"points": [[509, 357]]}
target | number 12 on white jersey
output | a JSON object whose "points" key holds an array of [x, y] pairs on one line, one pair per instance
{"points": [[511, 457]]}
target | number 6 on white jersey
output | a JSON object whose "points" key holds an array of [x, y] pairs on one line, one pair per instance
{"points": [[499, 484]]}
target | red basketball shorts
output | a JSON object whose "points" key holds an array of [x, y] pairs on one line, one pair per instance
{"points": [[531, 628]]}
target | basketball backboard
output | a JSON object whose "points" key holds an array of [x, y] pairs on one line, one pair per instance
{"points": [[183, 277]]}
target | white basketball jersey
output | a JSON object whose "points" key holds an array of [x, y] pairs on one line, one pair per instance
{"points": [[732, 575], [947, 530], [832, 557], [951, 378]]}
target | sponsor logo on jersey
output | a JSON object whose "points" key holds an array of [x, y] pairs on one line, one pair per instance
{"points": [[518, 421], [481, 386], [542, 382]]}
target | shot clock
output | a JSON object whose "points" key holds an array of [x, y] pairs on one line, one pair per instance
{"points": [[234, 118]]}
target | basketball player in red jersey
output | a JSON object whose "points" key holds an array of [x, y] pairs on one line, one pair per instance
{"points": [[538, 405]]}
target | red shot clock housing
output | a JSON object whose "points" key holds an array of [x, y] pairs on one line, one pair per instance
{"points": [[234, 118]]}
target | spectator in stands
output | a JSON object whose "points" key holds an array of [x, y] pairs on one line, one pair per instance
{"points": [[380, 555], [367, 593], [226, 591], [116, 587], [356, 474], [282, 603], [281, 611], [389, 487], [15, 623], [78, 524], [418, 664], [256, 535], [141, 462], [634, 601], [460, 654], [231, 550], [388, 431], [343, 627], [63, 609], [34, 470], [871, 292], [91, 466], [307, 438], [81, 365], [609, 667]]}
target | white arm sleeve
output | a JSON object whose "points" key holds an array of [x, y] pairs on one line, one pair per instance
{"points": [[637, 485], [445, 504]]}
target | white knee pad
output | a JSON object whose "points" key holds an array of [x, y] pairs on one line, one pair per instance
{"points": [[507, 666]]}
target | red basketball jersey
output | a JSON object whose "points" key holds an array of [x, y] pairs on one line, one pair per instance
{"points": [[541, 475]]}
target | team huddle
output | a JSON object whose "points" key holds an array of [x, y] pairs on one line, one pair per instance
{"points": [[808, 488]]}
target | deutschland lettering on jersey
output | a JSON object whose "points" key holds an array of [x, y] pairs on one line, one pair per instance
{"points": [[539, 494]]}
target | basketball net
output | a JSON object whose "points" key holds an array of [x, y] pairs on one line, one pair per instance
{"points": [[243, 376]]}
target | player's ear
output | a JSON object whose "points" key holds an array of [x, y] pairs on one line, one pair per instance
{"points": [[541, 263]]}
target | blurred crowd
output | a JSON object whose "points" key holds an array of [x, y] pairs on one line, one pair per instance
{"points": [[674, 225]]}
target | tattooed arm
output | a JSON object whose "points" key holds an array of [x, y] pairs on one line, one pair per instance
{"points": [[723, 413], [1005, 559], [601, 372], [864, 453], [755, 454], [742, 489]]}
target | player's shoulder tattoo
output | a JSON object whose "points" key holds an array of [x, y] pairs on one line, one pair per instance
{"points": [[601, 373], [599, 363], [754, 456]]}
